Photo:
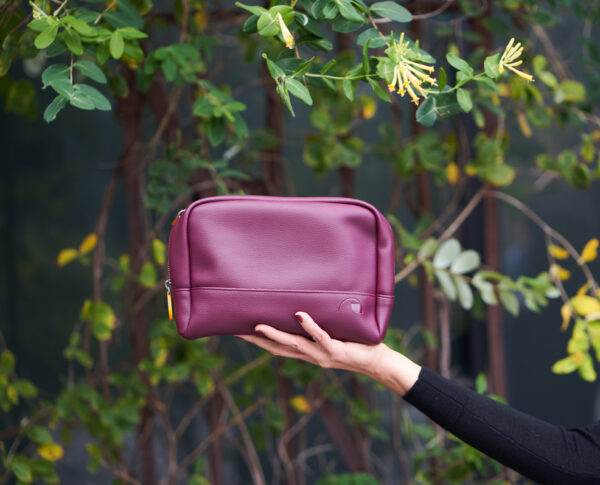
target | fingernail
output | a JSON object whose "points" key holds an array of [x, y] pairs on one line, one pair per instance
{"points": [[298, 317]]}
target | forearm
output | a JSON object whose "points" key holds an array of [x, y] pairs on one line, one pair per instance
{"points": [[539, 450]]}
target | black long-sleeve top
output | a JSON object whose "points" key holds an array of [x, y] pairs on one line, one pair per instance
{"points": [[541, 451]]}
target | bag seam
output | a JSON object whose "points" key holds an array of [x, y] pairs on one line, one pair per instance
{"points": [[283, 290]]}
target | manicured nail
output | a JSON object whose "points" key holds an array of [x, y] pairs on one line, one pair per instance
{"points": [[298, 317]]}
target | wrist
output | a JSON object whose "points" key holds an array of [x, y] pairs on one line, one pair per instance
{"points": [[394, 370]]}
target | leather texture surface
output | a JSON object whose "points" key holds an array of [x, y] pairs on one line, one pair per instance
{"points": [[239, 260]]}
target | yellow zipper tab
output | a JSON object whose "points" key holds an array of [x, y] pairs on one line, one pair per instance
{"points": [[168, 286], [170, 305]]}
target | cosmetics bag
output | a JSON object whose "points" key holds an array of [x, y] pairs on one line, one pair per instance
{"points": [[238, 260]]}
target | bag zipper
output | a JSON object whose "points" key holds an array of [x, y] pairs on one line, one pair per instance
{"points": [[168, 283]]}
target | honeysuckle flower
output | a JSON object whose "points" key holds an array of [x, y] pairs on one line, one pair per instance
{"points": [[509, 59], [285, 32], [408, 73]]}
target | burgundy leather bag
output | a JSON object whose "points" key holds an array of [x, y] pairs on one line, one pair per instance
{"points": [[239, 260]]}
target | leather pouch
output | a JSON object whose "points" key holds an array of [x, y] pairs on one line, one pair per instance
{"points": [[238, 260]]}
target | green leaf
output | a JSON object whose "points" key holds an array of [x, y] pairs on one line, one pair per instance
{"points": [[38, 434], [426, 114], [466, 261], [216, 130], [80, 26], [499, 174], [58, 103], [348, 88], [169, 67], [132, 33], [91, 70], [464, 99], [159, 250], [441, 78], [117, 45], [46, 36], [481, 383], [80, 99], [428, 248], [391, 10], [570, 91], [447, 284], [299, 90], [53, 73], [373, 36], [98, 99], [254, 9], [491, 66], [510, 301], [274, 69], [465, 294], [448, 251], [565, 366], [21, 469], [365, 60], [348, 11], [25, 388], [148, 275], [73, 41], [378, 90], [460, 64], [486, 290]]}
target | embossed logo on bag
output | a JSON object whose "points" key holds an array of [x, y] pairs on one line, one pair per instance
{"points": [[352, 304]]}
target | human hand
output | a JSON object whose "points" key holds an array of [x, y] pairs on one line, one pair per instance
{"points": [[325, 351]]}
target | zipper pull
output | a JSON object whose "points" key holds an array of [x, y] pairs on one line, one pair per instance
{"points": [[169, 287], [177, 217]]}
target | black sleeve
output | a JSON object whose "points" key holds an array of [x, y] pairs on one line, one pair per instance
{"points": [[541, 451]]}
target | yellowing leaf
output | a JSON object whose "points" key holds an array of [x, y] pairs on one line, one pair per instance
{"points": [[369, 108], [523, 124], [300, 404], [452, 173], [585, 305], [566, 313], [158, 251], [578, 358], [66, 256], [161, 358], [200, 19], [557, 252], [12, 394], [560, 272], [89, 242], [583, 289], [50, 451], [470, 170], [590, 251]]}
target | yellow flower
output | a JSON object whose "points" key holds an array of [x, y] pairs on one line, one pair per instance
{"points": [[287, 35], [509, 59], [408, 74]]}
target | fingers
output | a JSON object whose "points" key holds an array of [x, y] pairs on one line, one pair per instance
{"points": [[275, 348], [316, 332], [296, 342]]}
